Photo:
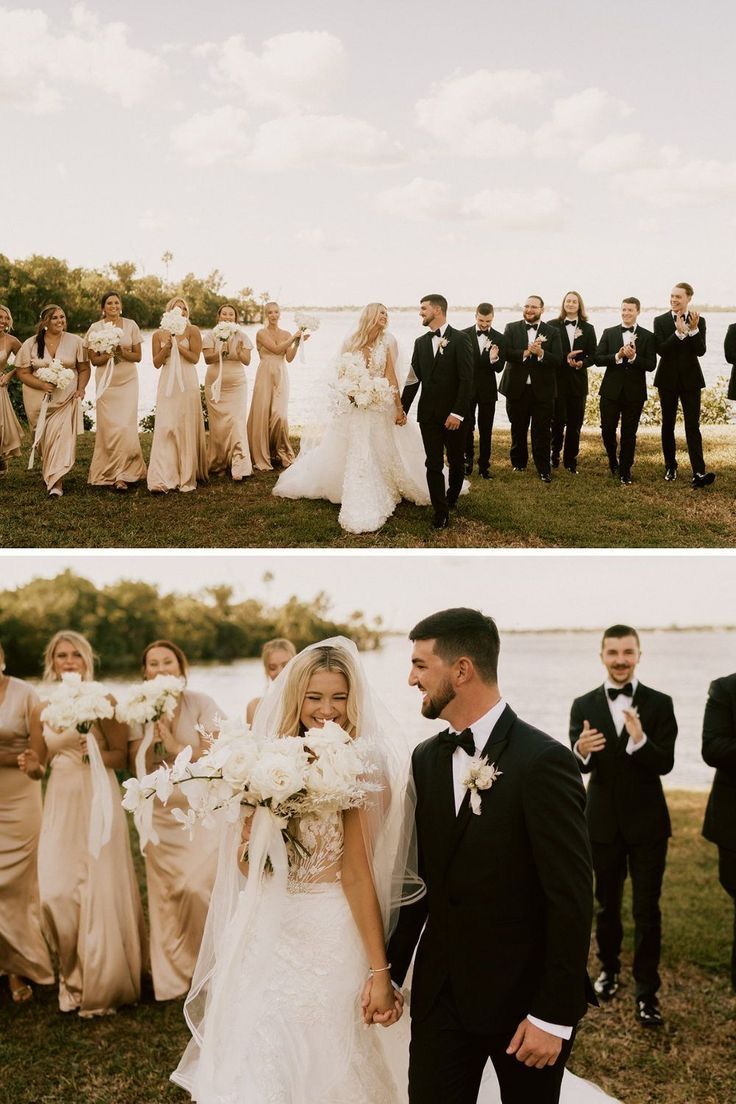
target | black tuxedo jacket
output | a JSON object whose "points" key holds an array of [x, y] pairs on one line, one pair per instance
{"points": [[484, 373], [542, 374], [625, 795], [446, 379], [679, 368], [625, 381], [729, 348], [574, 381], [719, 751], [508, 907]]}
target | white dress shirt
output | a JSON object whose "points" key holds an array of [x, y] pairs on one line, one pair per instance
{"points": [[435, 349], [690, 333], [482, 729], [616, 708], [628, 339]]}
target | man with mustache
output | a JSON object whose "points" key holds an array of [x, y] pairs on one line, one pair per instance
{"points": [[623, 734]]}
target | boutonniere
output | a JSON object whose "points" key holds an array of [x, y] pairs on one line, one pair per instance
{"points": [[481, 776], [578, 333], [443, 345], [541, 338]]}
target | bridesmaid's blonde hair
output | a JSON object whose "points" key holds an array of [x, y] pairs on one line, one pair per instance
{"points": [[367, 330], [82, 645], [280, 644], [302, 668], [10, 316], [177, 299]]}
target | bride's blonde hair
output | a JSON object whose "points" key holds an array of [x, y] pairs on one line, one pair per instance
{"points": [[368, 329], [302, 668]]}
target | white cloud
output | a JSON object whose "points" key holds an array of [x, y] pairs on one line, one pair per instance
{"points": [[463, 102], [419, 199], [41, 61], [338, 140], [617, 153], [211, 136], [299, 70], [586, 109], [515, 208], [681, 182]]}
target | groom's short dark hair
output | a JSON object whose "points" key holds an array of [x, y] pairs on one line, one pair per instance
{"points": [[436, 300], [618, 632], [463, 632]]}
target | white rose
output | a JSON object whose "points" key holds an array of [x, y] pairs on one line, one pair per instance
{"points": [[279, 774]]}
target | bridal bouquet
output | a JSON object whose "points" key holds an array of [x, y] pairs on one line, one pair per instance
{"points": [[149, 702], [223, 331], [106, 339], [174, 322], [321, 773], [56, 374], [355, 386], [306, 322], [74, 703]]}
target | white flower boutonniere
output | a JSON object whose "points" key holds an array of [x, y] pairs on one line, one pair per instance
{"points": [[578, 333], [541, 338], [443, 345], [481, 776]]}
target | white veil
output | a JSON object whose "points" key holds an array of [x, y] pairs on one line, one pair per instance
{"points": [[246, 914]]}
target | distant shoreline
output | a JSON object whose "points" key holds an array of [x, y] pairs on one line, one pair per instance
{"points": [[580, 629], [705, 308]]}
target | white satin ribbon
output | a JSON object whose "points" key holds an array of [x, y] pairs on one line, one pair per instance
{"points": [[174, 369], [217, 385], [140, 755], [302, 354], [100, 814], [40, 426], [106, 378]]}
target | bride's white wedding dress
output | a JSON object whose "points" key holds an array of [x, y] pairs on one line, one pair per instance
{"points": [[364, 461]]}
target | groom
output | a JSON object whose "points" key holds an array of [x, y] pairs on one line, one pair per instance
{"points": [[500, 970], [442, 365]]}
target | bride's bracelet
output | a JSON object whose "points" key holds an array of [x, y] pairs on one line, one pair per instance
{"points": [[380, 970]]}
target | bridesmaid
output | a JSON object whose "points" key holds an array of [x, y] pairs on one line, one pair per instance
{"points": [[275, 654], [117, 459], [11, 431], [228, 437], [58, 444], [179, 872], [91, 910], [179, 451], [24, 956], [268, 421]]}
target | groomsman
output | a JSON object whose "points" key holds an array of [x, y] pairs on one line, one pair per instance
{"points": [[679, 336], [533, 355], [488, 359], [627, 354], [729, 348], [623, 734], [719, 751], [577, 339]]}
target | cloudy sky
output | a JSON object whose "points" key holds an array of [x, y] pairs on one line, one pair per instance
{"points": [[527, 591], [339, 152]]}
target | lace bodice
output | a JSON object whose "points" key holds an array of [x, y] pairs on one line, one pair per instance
{"points": [[376, 359], [323, 839]]}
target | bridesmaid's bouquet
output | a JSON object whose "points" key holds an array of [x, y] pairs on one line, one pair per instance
{"points": [[55, 373], [307, 323], [74, 703], [149, 702], [223, 331], [174, 322], [319, 774], [355, 386], [105, 339]]}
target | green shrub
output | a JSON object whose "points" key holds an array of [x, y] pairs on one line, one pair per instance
{"points": [[715, 409]]}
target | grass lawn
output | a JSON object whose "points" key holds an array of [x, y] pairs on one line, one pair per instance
{"points": [[125, 1059], [513, 510]]}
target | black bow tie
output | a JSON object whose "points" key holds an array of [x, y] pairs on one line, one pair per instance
{"points": [[532, 325], [436, 333], [614, 691], [628, 329], [571, 322], [455, 740], [482, 333]]}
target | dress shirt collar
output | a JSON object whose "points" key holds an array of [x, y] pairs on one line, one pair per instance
{"points": [[610, 685], [484, 726]]}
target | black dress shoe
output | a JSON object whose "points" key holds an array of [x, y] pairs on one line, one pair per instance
{"points": [[670, 474], [648, 1013], [572, 468], [554, 460], [441, 519], [704, 480], [606, 985], [517, 467], [613, 468], [485, 474], [545, 477], [626, 479], [452, 501]]}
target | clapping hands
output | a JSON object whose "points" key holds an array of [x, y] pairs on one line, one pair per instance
{"points": [[590, 740]]}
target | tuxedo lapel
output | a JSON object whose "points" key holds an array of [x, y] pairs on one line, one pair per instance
{"points": [[602, 719]]}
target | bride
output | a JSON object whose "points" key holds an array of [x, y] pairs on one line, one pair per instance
{"points": [[275, 1004], [368, 459]]}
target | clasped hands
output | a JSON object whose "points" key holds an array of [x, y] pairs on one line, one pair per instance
{"points": [[684, 327], [381, 1002]]}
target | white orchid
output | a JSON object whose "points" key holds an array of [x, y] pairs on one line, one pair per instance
{"points": [[481, 776]]}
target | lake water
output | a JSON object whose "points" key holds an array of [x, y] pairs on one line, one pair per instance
{"points": [[307, 404], [540, 674]]}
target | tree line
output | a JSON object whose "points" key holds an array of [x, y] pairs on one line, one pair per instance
{"points": [[26, 286], [121, 618]]}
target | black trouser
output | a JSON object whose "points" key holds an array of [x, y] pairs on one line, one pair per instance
{"points": [[727, 878], [436, 440], [486, 414], [538, 412], [630, 413], [691, 413], [446, 1062], [646, 863], [567, 421]]}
